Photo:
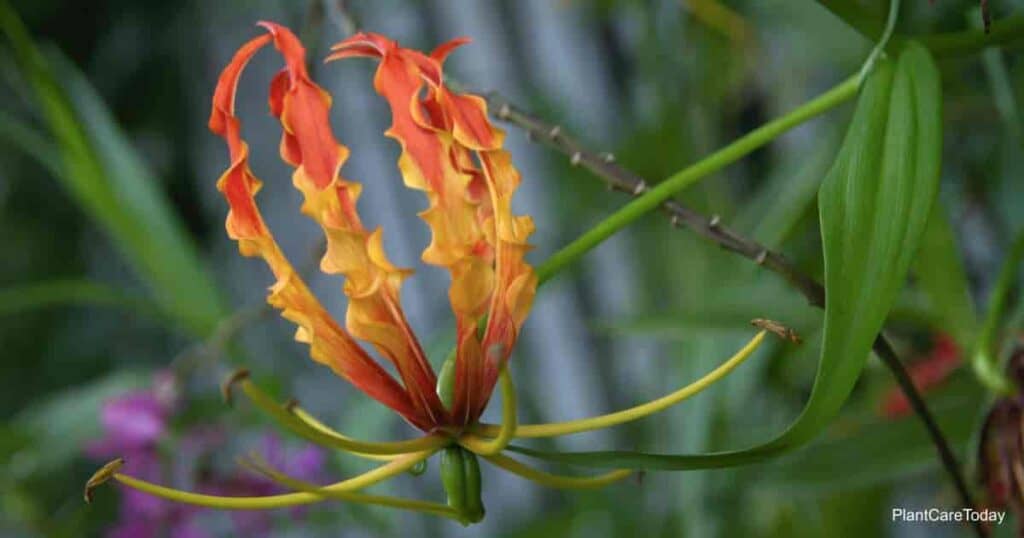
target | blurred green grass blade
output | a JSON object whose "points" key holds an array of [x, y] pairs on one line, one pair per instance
{"points": [[941, 276], [17, 299], [773, 213], [29, 140], [674, 327], [65, 421], [167, 253], [1002, 93], [985, 360], [729, 314], [874, 205], [107, 179]]}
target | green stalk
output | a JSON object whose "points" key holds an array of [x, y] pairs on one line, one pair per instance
{"points": [[985, 360], [890, 27], [942, 45], [966, 42], [999, 82], [687, 177]]}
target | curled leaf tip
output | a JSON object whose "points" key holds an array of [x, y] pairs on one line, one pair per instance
{"points": [[100, 477], [777, 329], [290, 405], [229, 383]]}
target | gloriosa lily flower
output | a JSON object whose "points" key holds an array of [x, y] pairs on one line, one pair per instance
{"points": [[452, 153]]}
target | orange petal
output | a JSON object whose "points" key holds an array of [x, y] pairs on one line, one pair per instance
{"points": [[329, 343], [372, 281], [452, 152], [516, 282], [441, 52], [471, 128]]}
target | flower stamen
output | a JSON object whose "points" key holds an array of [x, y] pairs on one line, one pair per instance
{"points": [[257, 464], [288, 419], [628, 415], [557, 481], [311, 421], [101, 476], [369, 478]]}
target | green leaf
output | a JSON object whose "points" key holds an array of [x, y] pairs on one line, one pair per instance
{"points": [[99, 168], [873, 207], [940, 274]]}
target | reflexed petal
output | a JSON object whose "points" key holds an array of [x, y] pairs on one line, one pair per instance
{"points": [[516, 281], [329, 343], [452, 153], [372, 281]]}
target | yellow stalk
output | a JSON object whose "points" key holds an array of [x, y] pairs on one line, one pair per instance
{"points": [[364, 480], [413, 505], [509, 421], [554, 480], [289, 421], [633, 413], [311, 421]]}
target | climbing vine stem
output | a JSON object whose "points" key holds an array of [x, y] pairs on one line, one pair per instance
{"points": [[653, 197]]}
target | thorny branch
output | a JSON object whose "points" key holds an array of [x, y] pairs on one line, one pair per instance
{"points": [[604, 166]]}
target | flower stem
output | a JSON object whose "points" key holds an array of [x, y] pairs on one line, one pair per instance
{"points": [[691, 175], [879, 49]]}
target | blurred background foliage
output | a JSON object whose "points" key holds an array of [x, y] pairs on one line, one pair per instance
{"points": [[116, 264]]}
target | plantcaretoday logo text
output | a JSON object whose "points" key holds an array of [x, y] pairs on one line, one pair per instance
{"points": [[939, 515]]}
